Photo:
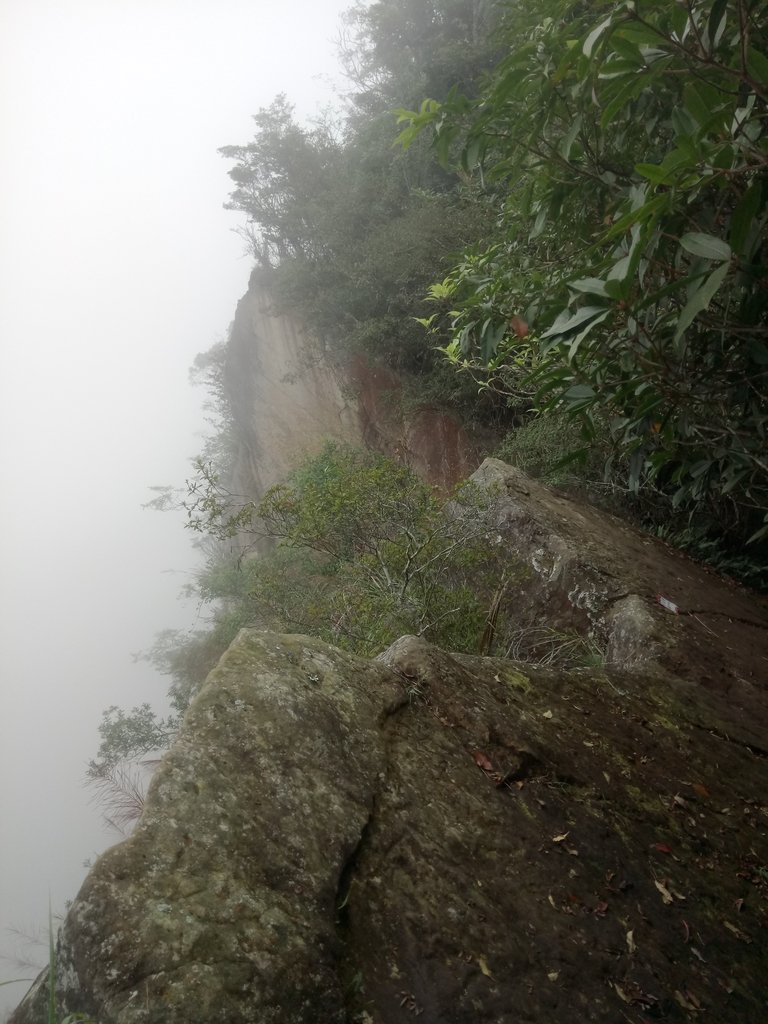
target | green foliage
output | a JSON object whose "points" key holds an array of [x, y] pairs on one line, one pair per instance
{"points": [[704, 544], [553, 448], [128, 736], [365, 552], [211, 507], [387, 557], [349, 229], [626, 148], [396, 51]]}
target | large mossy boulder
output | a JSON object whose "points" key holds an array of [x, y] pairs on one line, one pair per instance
{"points": [[462, 840]]}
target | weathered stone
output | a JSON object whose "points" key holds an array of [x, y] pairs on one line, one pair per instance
{"points": [[456, 838], [596, 575]]}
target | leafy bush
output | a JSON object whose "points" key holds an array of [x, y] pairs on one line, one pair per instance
{"points": [[387, 557], [553, 448], [627, 149]]}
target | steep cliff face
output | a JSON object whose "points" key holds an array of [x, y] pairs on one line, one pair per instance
{"points": [[288, 398]]}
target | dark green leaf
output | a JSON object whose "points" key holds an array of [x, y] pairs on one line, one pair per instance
{"points": [[579, 393], [757, 65], [743, 219], [627, 92], [707, 246], [589, 286], [716, 22], [594, 36], [567, 321], [700, 300]]}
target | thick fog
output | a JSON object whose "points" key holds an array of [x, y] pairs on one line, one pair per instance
{"points": [[118, 265]]}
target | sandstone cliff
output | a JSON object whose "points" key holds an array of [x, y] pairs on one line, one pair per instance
{"points": [[288, 397]]}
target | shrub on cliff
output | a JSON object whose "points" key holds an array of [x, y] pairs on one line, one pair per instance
{"points": [[625, 148], [367, 552]]}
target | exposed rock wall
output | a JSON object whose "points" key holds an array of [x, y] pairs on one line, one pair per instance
{"points": [[288, 398], [334, 841]]}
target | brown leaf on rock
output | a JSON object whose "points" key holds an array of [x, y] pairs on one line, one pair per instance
{"points": [[482, 761]]}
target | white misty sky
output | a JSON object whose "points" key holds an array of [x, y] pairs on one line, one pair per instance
{"points": [[117, 265]]}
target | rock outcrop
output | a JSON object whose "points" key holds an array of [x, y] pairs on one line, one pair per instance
{"points": [[456, 839], [640, 601]]}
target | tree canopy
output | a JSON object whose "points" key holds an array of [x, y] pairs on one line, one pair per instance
{"points": [[625, 148]]}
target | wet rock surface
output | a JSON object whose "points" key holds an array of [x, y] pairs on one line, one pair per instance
{"points": [[456, 839]]}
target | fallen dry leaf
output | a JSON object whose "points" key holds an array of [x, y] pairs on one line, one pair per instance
{"points": [[666, 895], [742, 936], [484, 967], [553, 975], [547, 714], [693, 998], [621, 993], [631, 941], [560, 838], [682, 1001], [700, 790]]}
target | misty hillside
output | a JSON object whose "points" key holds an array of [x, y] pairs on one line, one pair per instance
{"points": [[505, 270], [498, 384]]}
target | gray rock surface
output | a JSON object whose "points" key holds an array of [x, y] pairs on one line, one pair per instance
{"points": [[593, 574], [447, 838]]}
